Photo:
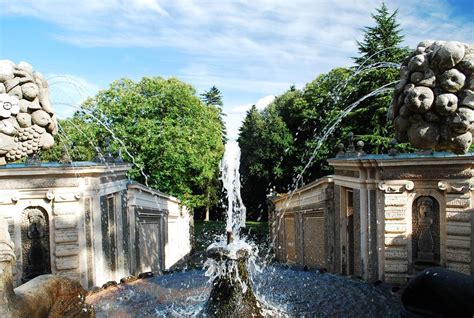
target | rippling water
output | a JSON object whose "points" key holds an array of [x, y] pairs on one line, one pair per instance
{"points": [[284, 291]]}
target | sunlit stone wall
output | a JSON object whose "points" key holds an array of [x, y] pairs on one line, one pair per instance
{"points": [[94, 218], [301, 225], [375, 225]]}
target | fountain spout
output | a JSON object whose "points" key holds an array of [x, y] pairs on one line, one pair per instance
{"points": [[230, 237]]}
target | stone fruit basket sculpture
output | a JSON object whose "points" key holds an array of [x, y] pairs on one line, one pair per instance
{"points": [[433, 104], [27, 120]]}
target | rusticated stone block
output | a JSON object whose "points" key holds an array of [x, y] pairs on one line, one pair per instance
{"points": [[396, 266], [69, 262], [463, 242], [395, 200], [459, 267], [65, 222], [458, 228], [66, 249], [395, 240], [62, 236], [395, 227], [458, 215], [395, 214], [396, 253], [457, 202], [458, 256]]}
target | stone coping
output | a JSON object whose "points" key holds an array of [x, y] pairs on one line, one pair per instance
{"points": [[444, 158], [55, 168], [133, 185], [306, 187]]}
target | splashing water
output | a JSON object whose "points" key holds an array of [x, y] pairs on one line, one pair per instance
{"points": [[236, 211]]}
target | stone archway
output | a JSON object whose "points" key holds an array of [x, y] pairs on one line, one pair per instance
{"points": [[426, 251], [35, 243]]}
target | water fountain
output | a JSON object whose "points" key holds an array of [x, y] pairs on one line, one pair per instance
{"points": [[431, 77], [232, 290]]}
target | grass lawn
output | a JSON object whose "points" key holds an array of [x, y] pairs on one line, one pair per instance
{"points": [[206, 232]]}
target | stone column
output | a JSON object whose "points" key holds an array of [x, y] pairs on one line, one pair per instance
{"points": [[397, 229], [7, 258], [459, 216]]}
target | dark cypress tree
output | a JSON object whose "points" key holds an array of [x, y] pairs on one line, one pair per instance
{"points": [[381, 49], [214, 97], [381, 42]]}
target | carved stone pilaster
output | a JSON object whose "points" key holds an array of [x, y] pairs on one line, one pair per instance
{"points": [[396, 186]]}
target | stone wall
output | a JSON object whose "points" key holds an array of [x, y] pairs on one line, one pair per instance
{"points": [[391, 223], [302, 233], [94, 220], [161, 234]]}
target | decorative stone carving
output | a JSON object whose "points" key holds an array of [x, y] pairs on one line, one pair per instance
{"points": [[425, 222], [432, 104], [35, 244], [44, 296], [457, 187], [396, 186], [27, 121]]}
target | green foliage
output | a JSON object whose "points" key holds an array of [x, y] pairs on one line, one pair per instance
{"points": [[381, 44], [161, 126], [263, 139]]}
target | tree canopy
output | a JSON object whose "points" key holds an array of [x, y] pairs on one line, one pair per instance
{"points": [[172, 138]]}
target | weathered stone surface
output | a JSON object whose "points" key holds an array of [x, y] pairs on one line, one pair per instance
{"points": [[24, 102], [69, 262], [419, 99], [395, 200], [458, 256], [395, 240], [67, 249], [398, 214], [391, 227], [446, 104], [452, 80], [458, 228], [458, 242], [64, 236], [392, 253], [65, 222], [396, 266], [436, 86]]}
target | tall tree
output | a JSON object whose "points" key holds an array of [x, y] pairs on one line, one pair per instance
{"points": [[381, 42], [162, 127], [214, 97], [265, 141], [377, 65]]}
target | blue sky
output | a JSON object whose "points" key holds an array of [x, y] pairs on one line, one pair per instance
{"points": [[251, 50]]}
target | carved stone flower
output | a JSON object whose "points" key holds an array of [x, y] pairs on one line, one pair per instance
{"points": [[8, 106]]}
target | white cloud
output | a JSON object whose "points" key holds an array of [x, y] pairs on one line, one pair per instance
{"points": [[257, 47], [67, 92], [237, 114], [260, 104]]}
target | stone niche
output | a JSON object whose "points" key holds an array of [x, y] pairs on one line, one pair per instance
{"points": [[35, 247], [425, 233]]}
